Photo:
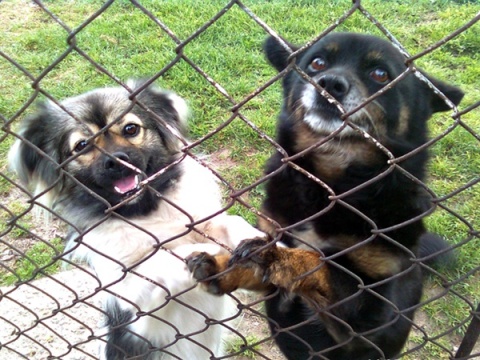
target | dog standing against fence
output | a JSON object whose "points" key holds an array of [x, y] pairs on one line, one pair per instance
{"points": [[101, 150], [344, 287]]}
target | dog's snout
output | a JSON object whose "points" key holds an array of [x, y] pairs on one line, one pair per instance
{"points": [[336, 85], [110, 162]]}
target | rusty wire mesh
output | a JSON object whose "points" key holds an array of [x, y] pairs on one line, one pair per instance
{"points": [[57, 316]]}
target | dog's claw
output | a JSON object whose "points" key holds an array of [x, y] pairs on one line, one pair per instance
{"points": [[252, 252]]}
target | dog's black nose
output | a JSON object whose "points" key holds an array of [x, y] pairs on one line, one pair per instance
{"points": [[111, 164], [336, 85]]}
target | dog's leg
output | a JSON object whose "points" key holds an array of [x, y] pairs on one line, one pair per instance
{"points": [[218, 278], [259, 265]]}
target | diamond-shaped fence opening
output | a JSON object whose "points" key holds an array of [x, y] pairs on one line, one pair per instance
{"points": [[210, 53]]}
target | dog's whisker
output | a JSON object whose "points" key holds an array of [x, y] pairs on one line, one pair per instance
{"points": [[371, 121], [380, 106]]}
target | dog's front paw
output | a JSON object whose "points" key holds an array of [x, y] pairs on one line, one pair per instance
{"points": [[257, 254], [201, 265], [204, 267]]}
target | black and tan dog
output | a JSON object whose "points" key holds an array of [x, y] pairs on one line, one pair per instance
{"points": [[348, 200]]}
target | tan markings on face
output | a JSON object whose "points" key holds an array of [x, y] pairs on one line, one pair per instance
{"points": [[358, 88], [131, 118], [78, 136], [374, 55], [87, 157], [402, 126], [297, 107], [332, 47], [372, 117], [331, 158], [117, 131], [109, 140]]}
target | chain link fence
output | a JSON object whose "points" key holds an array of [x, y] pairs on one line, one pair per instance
{"points": [[50, 306]]}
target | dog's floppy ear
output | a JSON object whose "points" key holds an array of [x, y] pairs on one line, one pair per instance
{"points": [[453, 93], [36, 160], [164, 103], [276, 53], [169, 108]]}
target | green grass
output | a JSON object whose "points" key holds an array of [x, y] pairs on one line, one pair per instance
{"points": [[239, 345], [13, 209], [127, 43], [38, 261]]}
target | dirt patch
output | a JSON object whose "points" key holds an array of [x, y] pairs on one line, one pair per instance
{"points": [[21, 308], [45, 318], [222, 160]]}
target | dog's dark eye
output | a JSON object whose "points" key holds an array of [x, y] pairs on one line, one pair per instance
{"points": [[380, 75], [81, 145], [318, 64], [131, 130]]}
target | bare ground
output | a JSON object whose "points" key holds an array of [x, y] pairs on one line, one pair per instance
{"points": [[21, 308]]}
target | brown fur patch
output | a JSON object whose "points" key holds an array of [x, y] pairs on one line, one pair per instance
{"points": [[374, 259], [332, 47], [302, 272], [403, 121], [299, 271], [374, 55], [204, 265], [333, 157]]}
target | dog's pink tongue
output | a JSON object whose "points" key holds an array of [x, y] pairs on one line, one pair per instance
{"points": [[126, 184]]}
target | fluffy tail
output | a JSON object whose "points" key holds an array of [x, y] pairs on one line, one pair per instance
{"points": [[435, 252]]}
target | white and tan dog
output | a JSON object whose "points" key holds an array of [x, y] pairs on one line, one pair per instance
{"points": [[138, 206]]}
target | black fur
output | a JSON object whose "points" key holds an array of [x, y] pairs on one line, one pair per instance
{"points": [[354, 64], [122, 342]]}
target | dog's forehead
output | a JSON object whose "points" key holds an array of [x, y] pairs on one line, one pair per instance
{"points": [[96, 109], [350, 47]]}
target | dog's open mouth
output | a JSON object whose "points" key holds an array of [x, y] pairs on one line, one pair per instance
{"points": [[127, 185]]}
